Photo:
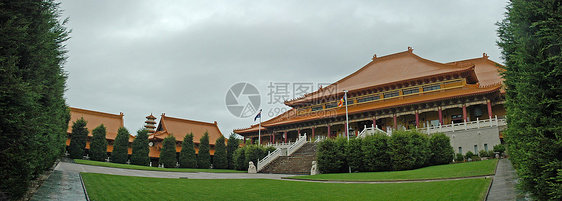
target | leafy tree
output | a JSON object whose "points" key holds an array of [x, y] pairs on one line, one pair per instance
{"points": [[204, 155], [239, 158], [188, 159], [375, 150], [231, 147], [354, 154], [139, 155], [329, 157], [78, 139], [441, 150], [219, 160], [34, 116], [120, 152], [168, 152], [531, 46], [98, 145]]}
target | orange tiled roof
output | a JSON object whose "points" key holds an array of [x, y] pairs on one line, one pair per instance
{"points": [[180, 127], [386, 70], [286, 118], [112, 122], [486, 70]]}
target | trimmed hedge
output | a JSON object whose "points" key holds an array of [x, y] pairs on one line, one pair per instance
{"points": [[404, 150], [242, 156]]}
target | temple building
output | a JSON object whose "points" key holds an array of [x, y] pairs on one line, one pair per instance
{"points": [[464, 99], [112, 123], [167, 126], [179, 128]]}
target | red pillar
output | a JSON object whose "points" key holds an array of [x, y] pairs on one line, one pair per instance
{"points": [[440, 116], [285, 134], [244, 140], [395, 123], [312, 133], [252, 141], [489, 109], [299, 131], [273, 138], [329, 131], [417, 119], [270, 138], [374, 122], [464, 117]]}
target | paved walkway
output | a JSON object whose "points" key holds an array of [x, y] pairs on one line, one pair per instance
{"points": [[61, 185], [504, 183]]}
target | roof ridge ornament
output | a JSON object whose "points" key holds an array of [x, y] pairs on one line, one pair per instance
{"points": [[374, 57], [485, 55], [410, 49]]}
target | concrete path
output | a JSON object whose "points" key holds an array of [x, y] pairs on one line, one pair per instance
{"points": [[61, 185], [504, 183], [73, 167]]}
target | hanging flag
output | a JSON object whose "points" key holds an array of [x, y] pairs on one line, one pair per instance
{"points": [[258, 116], [342, 102]]}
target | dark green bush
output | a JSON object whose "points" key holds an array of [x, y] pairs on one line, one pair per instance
{"points": [[401, 151], [98, 145], [375, 153], [139, 154], [253, 153], [483, 153], [499, 148], [239, 159], [491, 154], [468, 155], [78, 139], [419, 144], [330, 157], [204, 155], [120, 152], [441, 150], [475, 158], [219, 159], [168, 152], [188, 159], [459, 157], [355, 155], [231, 147]]}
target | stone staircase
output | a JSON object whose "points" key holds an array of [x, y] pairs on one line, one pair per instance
{"points": [[299, 162]]}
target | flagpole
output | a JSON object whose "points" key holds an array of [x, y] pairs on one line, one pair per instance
{"points": [[346, 116], [259, 130]]}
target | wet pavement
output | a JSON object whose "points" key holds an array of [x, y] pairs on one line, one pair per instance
{"points": [[61, 185], [504, 183]]}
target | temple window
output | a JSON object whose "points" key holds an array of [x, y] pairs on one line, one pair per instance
{"points": [[391, 94], [331, 105], [411, 91], [368, 98], [432, 87], [316, 108]]}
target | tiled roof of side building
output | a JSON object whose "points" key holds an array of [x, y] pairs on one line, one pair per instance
{"points": [[487, 71], [112, 122], [180, 127], [386, 70]]}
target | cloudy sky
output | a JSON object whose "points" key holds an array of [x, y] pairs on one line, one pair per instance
{"points": [[182, 57]]}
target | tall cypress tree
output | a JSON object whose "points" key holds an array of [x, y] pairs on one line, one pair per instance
{"points": [[120, 152], [188, 159], [168, 152], [98, 145], [530, 38], [204, 156], [231, 147], [139, 155], [219, 160], [34, 116], [78, 139]]}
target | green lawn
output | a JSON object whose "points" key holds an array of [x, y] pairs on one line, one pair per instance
{"points": [[114, 187], [469, 169], [139, 167]]}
